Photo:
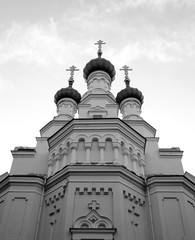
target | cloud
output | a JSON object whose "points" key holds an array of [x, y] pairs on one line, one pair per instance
{"points": [[156, 50], [130, 32], [152, 4], [32, 43]]}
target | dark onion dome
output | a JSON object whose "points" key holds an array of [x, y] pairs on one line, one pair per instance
{"points": [[129, 92], [99, 64], [68, 92]]}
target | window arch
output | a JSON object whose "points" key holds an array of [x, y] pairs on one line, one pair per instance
{"points": [[84, 225], [102, 225]]}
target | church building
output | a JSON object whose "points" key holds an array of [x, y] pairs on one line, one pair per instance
{"points": [[95, 176]]}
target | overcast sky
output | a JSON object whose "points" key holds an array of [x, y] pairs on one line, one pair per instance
{"points": [[39, 39]]}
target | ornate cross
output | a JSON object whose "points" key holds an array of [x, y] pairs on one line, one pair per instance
{"points": [[99, 43], [126, 68], [94, 205], [71, 69]]}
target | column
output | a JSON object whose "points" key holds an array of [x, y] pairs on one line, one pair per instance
{"points": [[57, 162], [65, 157], [116, 147], [102, 150], [142, 165], [73, 147], [134, 160], [50, 167], [87, 152], [125, 152]]}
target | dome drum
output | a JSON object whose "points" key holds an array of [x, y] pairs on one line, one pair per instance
{"points": [[99, 79], [130, 108], [66, 109]]}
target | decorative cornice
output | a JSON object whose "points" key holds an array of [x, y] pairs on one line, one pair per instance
{"points": [[97, 170], [21, 180], [171, 180], [170, 152], [141, 122], [97, 124], [23, 152], [108, 95], [52, 123]]}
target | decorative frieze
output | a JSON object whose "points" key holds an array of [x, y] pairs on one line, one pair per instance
{"points": [[93, 191]]}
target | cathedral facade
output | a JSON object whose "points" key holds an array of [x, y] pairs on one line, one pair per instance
{"points": [[97, 177]]}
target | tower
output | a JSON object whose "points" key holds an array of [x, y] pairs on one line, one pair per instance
{"points": [[97, 176]]}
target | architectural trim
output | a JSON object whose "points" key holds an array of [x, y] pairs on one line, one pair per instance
{"points": [[98, 170], [141, 122], [171, 180], [52, 123], [92, 124], [170, 152], [21, 180]]}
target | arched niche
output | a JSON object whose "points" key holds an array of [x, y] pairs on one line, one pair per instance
{"points": [[81, 150], [109, 153], [95, 155]]}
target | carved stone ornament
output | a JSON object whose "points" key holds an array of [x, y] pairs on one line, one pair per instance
{"points": [[93, 220], [97, 110]]}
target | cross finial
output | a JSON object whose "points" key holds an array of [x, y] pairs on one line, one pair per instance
{"points": [[72, 69], [94, 205], [99, 43], [126, 68]]}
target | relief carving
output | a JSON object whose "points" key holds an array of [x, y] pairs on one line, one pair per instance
{"points": [[93, 219]]}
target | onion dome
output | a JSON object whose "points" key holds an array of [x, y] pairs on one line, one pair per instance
{"points": [[100, 64], [68, 92], [129, 92]]}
